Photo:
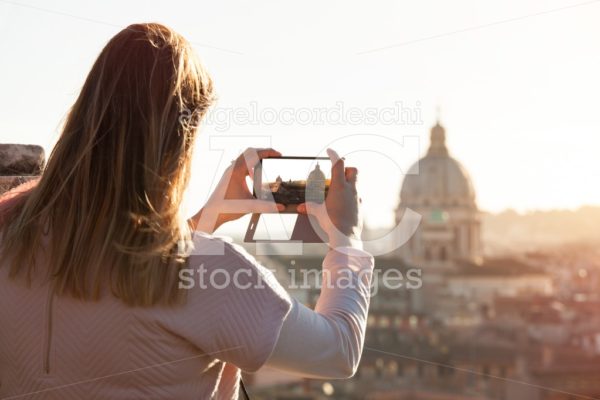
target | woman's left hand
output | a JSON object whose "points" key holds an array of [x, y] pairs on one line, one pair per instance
{"points": [[232, 199]]}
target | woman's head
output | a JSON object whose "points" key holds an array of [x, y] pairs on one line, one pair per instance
{"points": [[111, 193]]}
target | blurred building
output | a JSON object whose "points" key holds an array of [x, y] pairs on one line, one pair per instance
{"points": [[439, 188], [458, 282], [315, 185]]}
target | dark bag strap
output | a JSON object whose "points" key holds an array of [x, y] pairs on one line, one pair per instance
{"points": [[244, 393]]}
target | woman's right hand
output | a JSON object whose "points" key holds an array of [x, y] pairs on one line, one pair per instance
{"points": [[233, 187], [339, 216]]}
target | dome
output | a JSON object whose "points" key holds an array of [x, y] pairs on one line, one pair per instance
{"points": [[437, 179], [316, 185], [316, 174]]}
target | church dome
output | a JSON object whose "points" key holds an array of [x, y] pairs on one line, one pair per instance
{"points": [[315, 185], [316, 174], [437, 179]]}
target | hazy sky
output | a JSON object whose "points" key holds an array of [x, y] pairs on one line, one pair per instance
{"points": [[517, 83], [292, 169]]}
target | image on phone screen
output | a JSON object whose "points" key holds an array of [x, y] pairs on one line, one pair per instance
{"points": [[293, 180]]}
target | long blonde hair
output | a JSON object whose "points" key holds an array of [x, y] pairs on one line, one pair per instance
{"points": [[109, 198]]}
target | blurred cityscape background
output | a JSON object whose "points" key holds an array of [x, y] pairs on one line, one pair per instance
{"points": [[509, 306]]}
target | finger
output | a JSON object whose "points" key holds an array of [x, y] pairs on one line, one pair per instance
{"points": [[266, 153], [301, 208], [351, 175], [252, 156], [309, 208], [337, 166]]}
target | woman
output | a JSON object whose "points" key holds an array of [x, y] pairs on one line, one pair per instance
{"points": [[91, 300]]}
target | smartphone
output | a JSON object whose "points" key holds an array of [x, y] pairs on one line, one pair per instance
{"points": [[292, 180]]}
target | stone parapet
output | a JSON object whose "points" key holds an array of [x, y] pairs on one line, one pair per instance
{"points": [[19, 163]]}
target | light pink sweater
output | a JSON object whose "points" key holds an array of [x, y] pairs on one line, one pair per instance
{"points": [[56, 347]]}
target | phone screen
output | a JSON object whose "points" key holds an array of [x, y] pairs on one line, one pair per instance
{"points": [[293, 180]]}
